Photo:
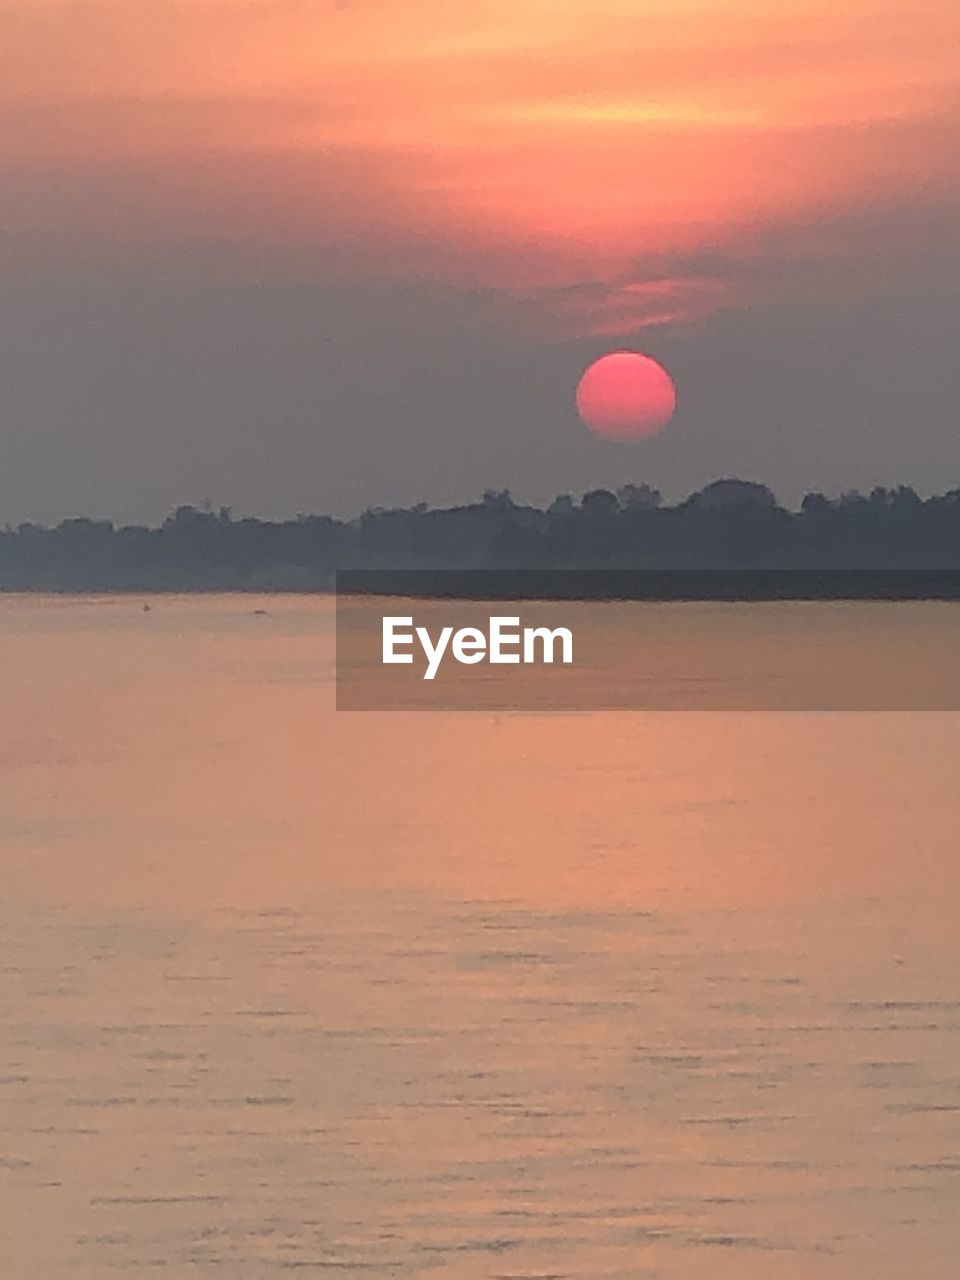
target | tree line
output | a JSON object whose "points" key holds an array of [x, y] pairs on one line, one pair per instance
{"points": [[728, 524]]}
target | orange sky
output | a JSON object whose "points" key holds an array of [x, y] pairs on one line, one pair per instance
{"points": [[535, 145]]}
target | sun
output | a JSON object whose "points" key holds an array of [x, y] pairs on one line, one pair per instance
{"points": [[626, 396]]}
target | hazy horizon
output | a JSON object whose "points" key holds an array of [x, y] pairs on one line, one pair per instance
{"points": [[290, 257], [677, 498]]}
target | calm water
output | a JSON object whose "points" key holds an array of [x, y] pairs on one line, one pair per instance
{"points": [[470, 996]]}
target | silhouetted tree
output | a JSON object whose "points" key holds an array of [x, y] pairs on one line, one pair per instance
{"points": [[643, 496], [599, 504], [730, 523]]}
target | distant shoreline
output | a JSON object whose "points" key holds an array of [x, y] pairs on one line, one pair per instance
{"points": [[729, 541], [657, 586], [586, 585]]}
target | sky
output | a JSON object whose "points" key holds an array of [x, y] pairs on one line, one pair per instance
{"points": [[322, 255]]}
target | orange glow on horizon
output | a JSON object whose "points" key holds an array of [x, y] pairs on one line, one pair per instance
{"points": [[601, 135]]}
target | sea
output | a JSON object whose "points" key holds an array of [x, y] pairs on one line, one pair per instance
{"points": [[588, 994]]}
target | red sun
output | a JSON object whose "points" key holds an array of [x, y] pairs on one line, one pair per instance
{"points": [[626, 396]]}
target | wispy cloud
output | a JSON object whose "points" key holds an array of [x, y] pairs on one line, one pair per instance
{"points": [[545, 147]]}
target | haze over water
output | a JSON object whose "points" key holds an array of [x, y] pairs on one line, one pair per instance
{"points": [[478, 997]]}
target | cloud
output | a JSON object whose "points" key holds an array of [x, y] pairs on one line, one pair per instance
{"points": [[287, 254], [592, 136]]}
